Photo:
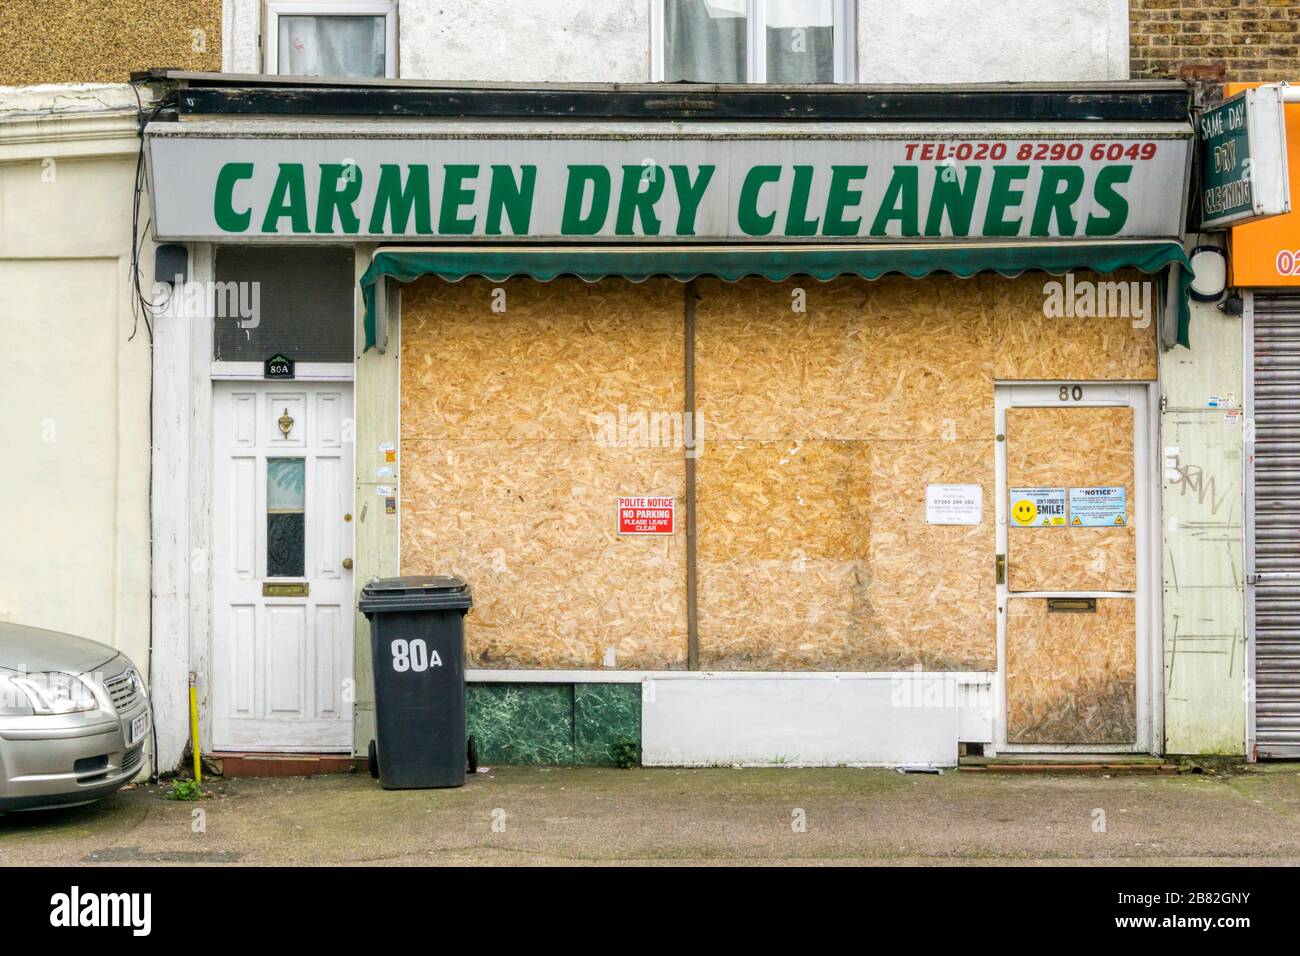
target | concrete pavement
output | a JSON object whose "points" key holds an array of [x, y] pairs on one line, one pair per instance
{"points": [[530, 815]]}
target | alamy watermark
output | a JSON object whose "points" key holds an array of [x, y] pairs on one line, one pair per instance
{"points": [[1091, 299], [638, 428], [241, 301]]}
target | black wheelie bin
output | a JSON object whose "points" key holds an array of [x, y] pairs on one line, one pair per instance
{"points": [[417, 649]]}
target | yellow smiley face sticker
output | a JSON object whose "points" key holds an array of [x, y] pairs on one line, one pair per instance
{"points": [[1023, 512]]}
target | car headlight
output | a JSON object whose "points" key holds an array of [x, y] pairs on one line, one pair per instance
{"points": [[56, 693]]}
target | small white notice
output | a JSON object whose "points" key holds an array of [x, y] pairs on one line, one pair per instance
{"points": [[954, 504]]}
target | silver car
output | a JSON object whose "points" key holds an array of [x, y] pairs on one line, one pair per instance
{"points": [[74, 718]]}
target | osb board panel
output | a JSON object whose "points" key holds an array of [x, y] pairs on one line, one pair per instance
{"points": [[1032, 345], [1071, 448], [892, 359], [1071, 676], [895, 358], [933, 587], [563, 359], [78, 41], [815, 555], [510, 476], [531, 526]]}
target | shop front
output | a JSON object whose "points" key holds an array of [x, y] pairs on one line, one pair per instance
{"points": [[804, 440]]}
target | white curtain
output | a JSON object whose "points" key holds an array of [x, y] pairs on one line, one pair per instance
{"points": [[800, 47], [703, 42], [332, 46]]}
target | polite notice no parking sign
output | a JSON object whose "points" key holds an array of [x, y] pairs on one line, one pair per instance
{"points": [[646, 515]]}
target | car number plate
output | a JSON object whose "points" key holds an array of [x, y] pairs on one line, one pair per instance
{"points": [[138, 726]]}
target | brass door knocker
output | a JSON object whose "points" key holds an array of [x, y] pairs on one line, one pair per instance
{"points": [[286, 423]]}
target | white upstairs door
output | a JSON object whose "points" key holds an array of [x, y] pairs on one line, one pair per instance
{"points": [[282, 552]]}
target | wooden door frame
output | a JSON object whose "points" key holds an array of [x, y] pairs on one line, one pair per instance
{"points": [[1141, 396]]}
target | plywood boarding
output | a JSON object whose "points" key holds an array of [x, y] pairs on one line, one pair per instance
{"points": [[1033, 344], [1071, 677], [893, 359], [509, 480], [822, 430], [1064, 448], [560, 358]]}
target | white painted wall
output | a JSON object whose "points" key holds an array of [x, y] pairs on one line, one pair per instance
{"points": [[800, 720], [592, 41], [74, 387], [985, 41], [914, 41], [240, 28]]}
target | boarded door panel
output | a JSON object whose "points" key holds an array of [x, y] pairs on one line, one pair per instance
{"points": [[1071, 676], [1071, 448], [524, 417]]}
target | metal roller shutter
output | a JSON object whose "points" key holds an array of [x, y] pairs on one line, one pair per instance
{"points": [[1275, 563]]}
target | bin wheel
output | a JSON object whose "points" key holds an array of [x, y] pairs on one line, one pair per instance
{"points": [[372, 759], [471, 754]]}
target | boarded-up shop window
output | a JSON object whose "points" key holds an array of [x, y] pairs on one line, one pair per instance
{"points": [[518, 409], [298, 302], [823, 428]]}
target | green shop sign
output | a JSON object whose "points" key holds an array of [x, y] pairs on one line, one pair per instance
{"points": [[1241, 157], [643, 183]]}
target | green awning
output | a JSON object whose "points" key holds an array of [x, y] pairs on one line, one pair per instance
{"points": [[823, 262]]}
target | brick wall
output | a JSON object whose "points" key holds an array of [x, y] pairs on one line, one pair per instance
{"points": [[102, 41], [1253, 39]]}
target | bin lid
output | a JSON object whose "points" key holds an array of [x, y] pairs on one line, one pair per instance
{"points": [[419, 592]]}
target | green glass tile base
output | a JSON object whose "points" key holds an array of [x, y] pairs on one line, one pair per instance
{"points": [[554, 724], [602, 713]]}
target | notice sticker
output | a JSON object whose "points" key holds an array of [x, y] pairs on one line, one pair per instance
{"points": [[954, 504], [1098, 508], [646, 515], [1038, 507]]}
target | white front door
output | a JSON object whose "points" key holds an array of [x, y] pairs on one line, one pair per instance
{"points": [[282, 551]]}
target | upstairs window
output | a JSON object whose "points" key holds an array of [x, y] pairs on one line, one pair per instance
{"points": [[347, 38], [753, 41]]}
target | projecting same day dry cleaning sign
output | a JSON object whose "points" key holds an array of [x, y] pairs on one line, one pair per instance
{"points": [[1243, 159], [662, 183]]}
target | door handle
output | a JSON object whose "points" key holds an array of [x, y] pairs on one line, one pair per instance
{"points": [[347, 564], [1001, 565]]}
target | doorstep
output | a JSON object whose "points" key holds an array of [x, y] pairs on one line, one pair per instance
{"points": [[230, 764], [1072, 763]]}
